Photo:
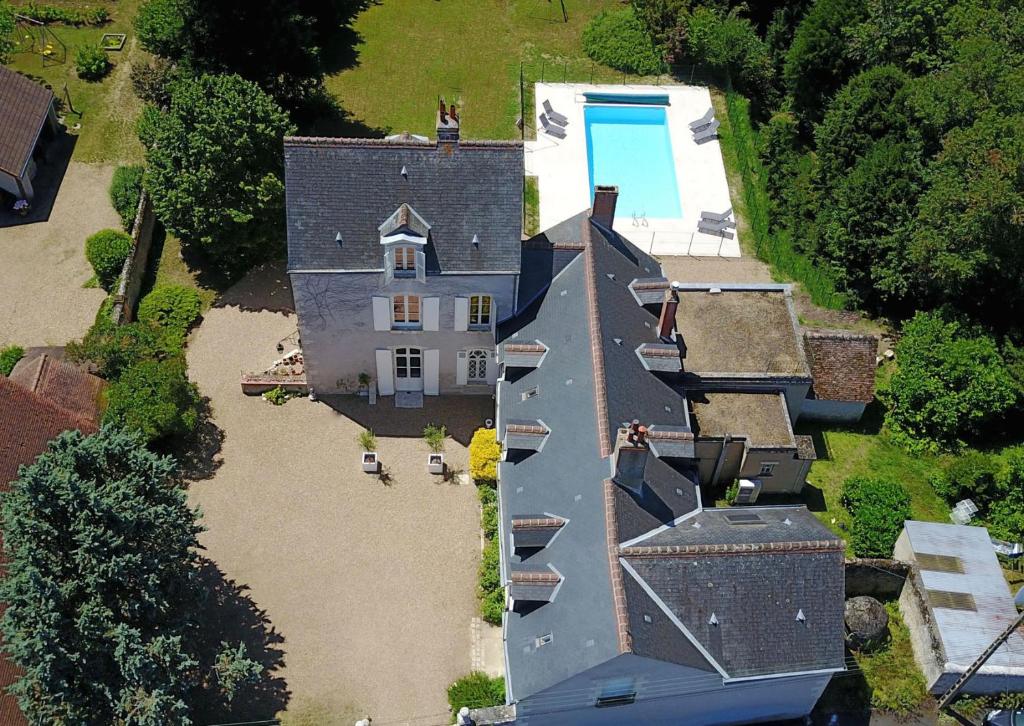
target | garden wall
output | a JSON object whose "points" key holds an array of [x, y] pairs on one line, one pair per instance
{"points": [[881, 579], [127, 294]]}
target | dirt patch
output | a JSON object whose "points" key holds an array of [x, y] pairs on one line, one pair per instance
{"points": [[715, 269]]}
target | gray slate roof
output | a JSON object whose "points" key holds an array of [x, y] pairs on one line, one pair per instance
{"points": [[650, 493], [352, 186]]}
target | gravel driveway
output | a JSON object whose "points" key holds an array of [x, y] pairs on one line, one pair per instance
{"points": [[43, 265], [371, 586]]}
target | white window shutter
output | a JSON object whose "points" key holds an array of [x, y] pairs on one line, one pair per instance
{"points": [[431, 313], [389, 265], [494, 314], [421, 266], [492, 368], [431, 372], [385, 374], [462, 313], [462, 368], [381, 313]]}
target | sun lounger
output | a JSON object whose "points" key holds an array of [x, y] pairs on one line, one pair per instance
{"points": [[717, 232], [709, 226], [555, 117], [715, 216], [703, 121], [711, 132], [551, 129]]}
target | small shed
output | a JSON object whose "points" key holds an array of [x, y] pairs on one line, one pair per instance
{"points": [[843, 369], [958, 603], [27, 119]]}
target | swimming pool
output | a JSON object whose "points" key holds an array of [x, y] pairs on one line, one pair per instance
{"points": [[630, 146]]}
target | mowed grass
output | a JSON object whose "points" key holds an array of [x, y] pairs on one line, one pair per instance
{"points": [[410, 52], [108, 108]]}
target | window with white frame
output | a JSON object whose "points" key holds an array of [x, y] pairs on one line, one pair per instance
{"points": [[480, 311], [405, 311], [767, 468], [405, 261], [476, 366]]}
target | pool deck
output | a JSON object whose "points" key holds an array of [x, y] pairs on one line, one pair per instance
{"points": [[560, 166]]}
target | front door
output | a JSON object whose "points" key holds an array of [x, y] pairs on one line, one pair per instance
{"points": [[476, 366], [408, 369]]}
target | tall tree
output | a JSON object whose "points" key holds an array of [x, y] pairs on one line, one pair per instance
{"points": [[6, 31], [215, 168], [907, 33], [101, 583]]}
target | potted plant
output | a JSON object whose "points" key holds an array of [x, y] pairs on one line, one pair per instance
{"points": [[434, 436], [368, 442], [364, 383]]}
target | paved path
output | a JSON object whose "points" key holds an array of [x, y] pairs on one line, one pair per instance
{"points": [[43, 265], [371, 586]]}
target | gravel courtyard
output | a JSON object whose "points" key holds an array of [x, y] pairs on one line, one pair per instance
{"points": [[371, 586], [44, 265]]}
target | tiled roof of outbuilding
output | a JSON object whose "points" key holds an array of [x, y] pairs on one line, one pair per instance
{"points": [[842, 364], [23, 108], [61, 383]]}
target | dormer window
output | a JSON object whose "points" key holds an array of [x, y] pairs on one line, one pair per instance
{"points": [[404, 237], [405, 262]]}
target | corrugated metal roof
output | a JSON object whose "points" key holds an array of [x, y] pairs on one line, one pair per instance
{"points": [[966, 633]]}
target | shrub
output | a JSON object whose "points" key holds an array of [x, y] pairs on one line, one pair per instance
{"points": [[367, 440], [9, 357], [7, 26], [879, 508], [972, 475], [125, 188], [618, 39], [277, 396], [489, 520], [477, 690], [91, 62], [48, 14], [484, 452], [490, 590], [435, 436], [154, 398], [487, 493], [152, 81], [106, 251], [727, 43], [115, 348], [172, 309]]}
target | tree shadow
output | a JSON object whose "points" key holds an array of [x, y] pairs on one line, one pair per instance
{"points": [[198, 454], [322, 115], [49, 177], [265, 287], [461, 415], [230, 615]]}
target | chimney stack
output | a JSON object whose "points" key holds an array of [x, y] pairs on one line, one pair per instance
{"points": [[667, 320], [603, 211], [447, 124]]}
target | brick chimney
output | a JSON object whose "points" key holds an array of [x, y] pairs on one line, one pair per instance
{"points": [[447, 124], [667, 320], [603, 211]]}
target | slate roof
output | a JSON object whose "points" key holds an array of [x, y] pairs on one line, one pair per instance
{"points": [[649, 493], [23, 108], [842, 364], [61, 383], [352, 186]]}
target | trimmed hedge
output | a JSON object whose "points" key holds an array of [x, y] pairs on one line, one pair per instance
{"points": [[173, 309], [491, 592], [47, 14], [106, 251], [125, 188], [484, 452], [154, 398], [617, 38], [9, 358], [879, 508], [477, 690]]}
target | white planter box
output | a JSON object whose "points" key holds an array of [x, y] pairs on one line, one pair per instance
{"points": [[435, 463], [370, 463]]}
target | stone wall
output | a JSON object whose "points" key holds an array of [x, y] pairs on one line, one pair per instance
{"points": [[881, 579], [134, 270]]}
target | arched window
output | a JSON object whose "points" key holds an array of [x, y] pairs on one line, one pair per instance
{"points": [[405, 311], [476, 366]]}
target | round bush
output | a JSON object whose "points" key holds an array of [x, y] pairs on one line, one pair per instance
{"points": [[617, 38], [154, 398], [91, 62], [879, 508], [172, 308], [106, 251], [125, 188], [477, 690], [9, 357]]}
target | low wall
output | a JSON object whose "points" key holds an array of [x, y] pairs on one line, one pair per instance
{"points": [[254, 384], [881, 579], [127, 294]]}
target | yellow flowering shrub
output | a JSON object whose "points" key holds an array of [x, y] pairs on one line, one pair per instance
{"points": [[484, 452]]}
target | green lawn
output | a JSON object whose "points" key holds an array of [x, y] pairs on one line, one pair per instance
{"points": [[410, 52], [108, 108]]}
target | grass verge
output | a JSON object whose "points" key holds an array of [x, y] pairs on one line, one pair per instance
{"points": [[531, 205]]}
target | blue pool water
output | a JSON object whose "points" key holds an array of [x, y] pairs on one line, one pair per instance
{"points": [[629, 146]]}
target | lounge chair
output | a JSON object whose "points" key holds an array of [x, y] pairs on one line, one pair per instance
{"points": [[717, 232], [715, 216], [551, 129], [706, 225], [703, 121], [711, 132], [555, 117]]}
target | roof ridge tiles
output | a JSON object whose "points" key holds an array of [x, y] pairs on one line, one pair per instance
{"points": [[823, 545], [534, 522], [621, 607], [338, 141], [535, 577], [594, 322]]}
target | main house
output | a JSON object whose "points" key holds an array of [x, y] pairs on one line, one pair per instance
{"points": [[403, 255]]}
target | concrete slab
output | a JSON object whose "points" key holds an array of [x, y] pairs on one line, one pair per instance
{"points": [[560, 166]]}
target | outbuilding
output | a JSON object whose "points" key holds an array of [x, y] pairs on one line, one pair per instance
{"points": [[28, 119]]}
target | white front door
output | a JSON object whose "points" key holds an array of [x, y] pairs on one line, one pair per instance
{"points": [[408, 369], [476, 366]]}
